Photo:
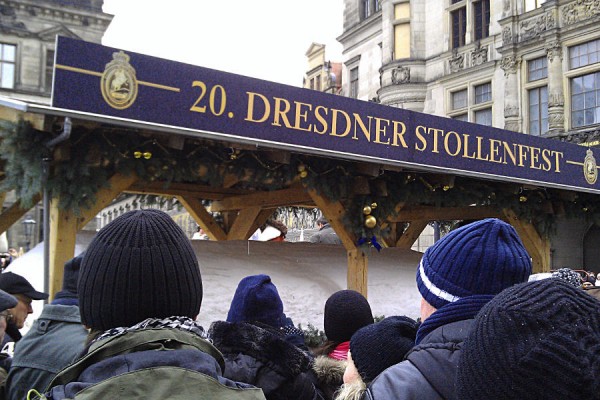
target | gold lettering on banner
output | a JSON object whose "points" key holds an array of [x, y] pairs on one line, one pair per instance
{"points": [[375, 130]]}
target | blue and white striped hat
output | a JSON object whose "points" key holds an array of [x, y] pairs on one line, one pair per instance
{"points": [[481, 258]]}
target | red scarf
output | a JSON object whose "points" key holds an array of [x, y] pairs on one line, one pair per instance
{"points": [[341, 351]]}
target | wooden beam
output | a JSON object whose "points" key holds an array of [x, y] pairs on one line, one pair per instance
{"points": [[358, 268], [202, 217], [411, 234], [242, 226], [117, 184], [334, 211], [182, 189], [445, 213], [63, 231], [273, 199], [2, 198], [12, 214], [537, 246]]}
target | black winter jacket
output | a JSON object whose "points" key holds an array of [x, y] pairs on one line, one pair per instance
{"points": [[262, 357], [429, 371]]}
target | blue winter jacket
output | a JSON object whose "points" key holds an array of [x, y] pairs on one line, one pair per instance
{"points": [[55, 339]]}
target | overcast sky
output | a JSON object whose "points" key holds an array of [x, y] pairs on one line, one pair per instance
{"points": [[265, 39]]}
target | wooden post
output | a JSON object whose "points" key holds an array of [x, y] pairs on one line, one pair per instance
{"points": [[358, 261], [358, 268], [63, 230]]}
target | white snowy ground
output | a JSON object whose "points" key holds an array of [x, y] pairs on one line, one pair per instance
{"points": [[305, 274]]}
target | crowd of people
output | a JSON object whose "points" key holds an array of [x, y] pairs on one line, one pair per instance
{"points": [[124, 326]]}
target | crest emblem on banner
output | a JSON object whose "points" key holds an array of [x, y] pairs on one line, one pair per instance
{"points": [[590, 170], [118, 84]]}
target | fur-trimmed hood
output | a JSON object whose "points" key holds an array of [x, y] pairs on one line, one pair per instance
{"points": [[268, 346], [329, 371], [330, 374]]}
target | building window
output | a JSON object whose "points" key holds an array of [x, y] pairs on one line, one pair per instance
{"points": [[459, 99], [402, 30], [472, 104], [370, 7], [538, 110], [531, 5], [584, 54], [537, 96], [49, 70], [483, 93], [585, 100], [537, 69], [459, 27], [318, 83], [482, 19], [477, 12], [584, 59], [354, 83], [8, 59]]}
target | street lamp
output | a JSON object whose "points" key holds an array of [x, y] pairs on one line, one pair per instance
{"points": [[28, 224]]}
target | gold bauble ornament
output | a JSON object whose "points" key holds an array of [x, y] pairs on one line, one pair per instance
{"points": [[147, 155], [137, 154], [370, 222], [367, 210], [446, 188], [373, 205], [301, 168], [303, 174], [523, 199]]}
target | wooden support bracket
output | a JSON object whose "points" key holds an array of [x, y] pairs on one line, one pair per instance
{"points": [[202, 217]]}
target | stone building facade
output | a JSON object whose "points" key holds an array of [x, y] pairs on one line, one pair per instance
{"points": [[28, 30], [529, 66]]}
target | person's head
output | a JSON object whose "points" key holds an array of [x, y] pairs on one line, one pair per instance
{"points": [[68, 294], [534, 340], [273, 231], [346, 311], [256, 299], [480, 258], [22, 290], [141, 265], [322, 221], [377, 346], [7, 301]]}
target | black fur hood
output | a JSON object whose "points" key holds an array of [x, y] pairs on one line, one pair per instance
{"points": [[266, 345]]}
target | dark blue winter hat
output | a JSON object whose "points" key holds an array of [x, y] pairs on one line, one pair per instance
{"points": [[481, 258], [68, 294], [380, 345], [141, 265], [537, 340], [256, 299]]}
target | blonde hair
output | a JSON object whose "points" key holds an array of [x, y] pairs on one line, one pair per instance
{"points": [[351, 391]]}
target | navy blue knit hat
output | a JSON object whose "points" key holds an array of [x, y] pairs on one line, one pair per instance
{"points": [[346, 311], [378, 346], [537, 340], [256, 299], [483, 257], [141, 265]]}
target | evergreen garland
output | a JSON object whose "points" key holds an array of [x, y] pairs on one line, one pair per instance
{"points": [[85, 163]]}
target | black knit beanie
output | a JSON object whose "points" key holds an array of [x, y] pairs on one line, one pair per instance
{"points": [[346, 311], [537, 340], [141, 265], [380, 345]]}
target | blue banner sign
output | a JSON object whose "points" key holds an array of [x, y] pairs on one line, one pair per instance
{"points": [[100, 80]]}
